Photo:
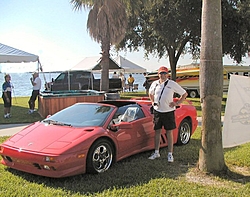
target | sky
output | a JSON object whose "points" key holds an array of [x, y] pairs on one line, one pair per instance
{"points": [[58, 34]]}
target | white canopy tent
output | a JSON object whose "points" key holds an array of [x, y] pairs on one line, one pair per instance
{"points": [[93, 64], [128, 66], [11, 55]]}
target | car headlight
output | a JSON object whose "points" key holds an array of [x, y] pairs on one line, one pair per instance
{"points": [[49, 159]]}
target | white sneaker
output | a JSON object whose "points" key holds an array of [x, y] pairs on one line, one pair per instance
{"points": [[30, 111], [170, 158], [154, 156]]}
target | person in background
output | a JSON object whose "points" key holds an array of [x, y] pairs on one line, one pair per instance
{"points": [[36, 83], [115, 75], [131, 81], [7, 99], [161, 95], [123, 80], [146, 84]]}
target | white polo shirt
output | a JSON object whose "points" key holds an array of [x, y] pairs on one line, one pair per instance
{"points": [[38, 83], [167, 94]]}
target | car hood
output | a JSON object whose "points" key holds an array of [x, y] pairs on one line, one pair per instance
{"points": [[41, 137]]}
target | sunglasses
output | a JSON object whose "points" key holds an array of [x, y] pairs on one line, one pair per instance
{"points": [[163, 73]]}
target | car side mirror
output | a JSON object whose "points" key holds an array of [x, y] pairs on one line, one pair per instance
{"points": [[124, 125], [113, 128], [121, 125]]}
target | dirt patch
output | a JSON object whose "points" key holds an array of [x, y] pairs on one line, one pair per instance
{"points": [[236, 176], [242, 170], [196, 176]]}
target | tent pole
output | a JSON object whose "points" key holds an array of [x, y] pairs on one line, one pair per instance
{"points": [[41, 69], [92, 81], [68, 80]]}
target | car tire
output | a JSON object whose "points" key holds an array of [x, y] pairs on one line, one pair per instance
{"points": [[100, 157], [184, 132], [193, 93]]}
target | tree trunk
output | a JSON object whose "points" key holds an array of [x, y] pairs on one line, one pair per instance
{"points": [[174, 55], [104, 83], [211, 157], [173, 63]]}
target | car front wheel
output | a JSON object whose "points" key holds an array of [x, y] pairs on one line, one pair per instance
{"points": [[184, 132], [100, 157]]}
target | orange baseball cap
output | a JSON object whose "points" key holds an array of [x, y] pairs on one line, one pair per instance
{"points": [[163, 69]]}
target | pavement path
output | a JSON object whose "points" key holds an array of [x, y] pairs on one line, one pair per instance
{"points": [[11, 129]]}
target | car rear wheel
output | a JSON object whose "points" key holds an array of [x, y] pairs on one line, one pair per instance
{"points": [[184, 132], [100, 157], [193, 93]]}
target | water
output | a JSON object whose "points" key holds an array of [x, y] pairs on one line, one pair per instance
{"points": [[23, 87]]}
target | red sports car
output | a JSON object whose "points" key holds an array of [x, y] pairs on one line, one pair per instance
{"points": [[89, 137]]}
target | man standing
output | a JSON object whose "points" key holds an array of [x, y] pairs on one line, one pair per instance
{"points": [[131, 81], [161, 94], [123, 80], [36, 83], [146, 84], [7, 88]]}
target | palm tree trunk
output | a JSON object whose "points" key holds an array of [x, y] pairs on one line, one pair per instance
{"points": [[104, 84], [211, 158]]}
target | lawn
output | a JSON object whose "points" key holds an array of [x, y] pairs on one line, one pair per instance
{"points": [[19, 112], [136, 175]]}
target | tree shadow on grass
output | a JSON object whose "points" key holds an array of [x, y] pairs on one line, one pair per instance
{"points": [[19, 115], [132, 171]]}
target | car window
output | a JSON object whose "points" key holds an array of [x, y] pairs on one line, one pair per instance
{"points": [[82, 115], [61, 77], [82, 75], [128, 113], [86, 75], [78, 76]]}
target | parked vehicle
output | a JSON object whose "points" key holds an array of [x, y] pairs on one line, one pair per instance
{"points": [[89, 137], [188, 77], [81, 80]]}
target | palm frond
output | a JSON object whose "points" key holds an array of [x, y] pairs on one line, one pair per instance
{"points": [[79, 4]]}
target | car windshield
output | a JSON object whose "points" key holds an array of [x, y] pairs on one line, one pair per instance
{"points": [[81, 115]]}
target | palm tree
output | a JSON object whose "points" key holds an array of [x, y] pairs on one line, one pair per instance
{"points": [[211, 158], [107, 23]]}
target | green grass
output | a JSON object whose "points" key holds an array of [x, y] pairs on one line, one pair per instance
{"points": [[128, 95], [196, 103], [19, 112], [138, 176]]}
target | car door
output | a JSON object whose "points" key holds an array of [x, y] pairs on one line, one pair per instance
{"points": [[60, 82], [132, 134]]}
